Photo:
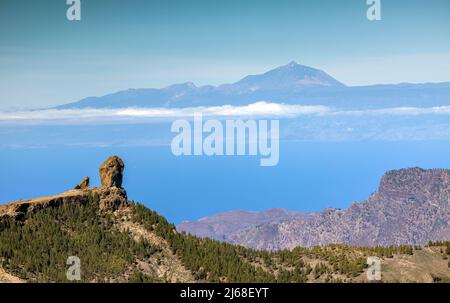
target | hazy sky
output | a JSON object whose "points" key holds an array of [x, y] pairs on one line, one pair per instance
{"points": [[119, 44]]}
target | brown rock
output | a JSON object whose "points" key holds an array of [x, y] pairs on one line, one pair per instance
{"points": [[84, 184], [111, 172], [111, 198], [19, 209], [112, 195]]}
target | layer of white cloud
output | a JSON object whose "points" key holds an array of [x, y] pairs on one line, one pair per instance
{"points": [[124, 115], [398, 111], [255, 110]]}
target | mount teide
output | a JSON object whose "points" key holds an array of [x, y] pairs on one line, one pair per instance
{"points": [[292, 83]]}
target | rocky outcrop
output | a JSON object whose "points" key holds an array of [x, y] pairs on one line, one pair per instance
{"points": [[411, 206], [111, 172], [84, 184], [111, 195], [111, 198], [18, 210]]}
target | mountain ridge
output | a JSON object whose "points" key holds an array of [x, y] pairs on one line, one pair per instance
{"points": [[411, 206], [291, 83]]}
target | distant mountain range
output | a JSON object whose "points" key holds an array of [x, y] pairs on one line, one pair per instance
{"points": [[411, 206], [292, 84], [220, 226]]}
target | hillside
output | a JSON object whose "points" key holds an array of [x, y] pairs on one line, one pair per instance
{"points": [[118, 240], [411, 207]]}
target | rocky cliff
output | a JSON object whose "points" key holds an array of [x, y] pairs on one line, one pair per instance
{"points": [[411, 206]]}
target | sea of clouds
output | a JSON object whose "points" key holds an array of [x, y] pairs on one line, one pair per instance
{"points": [[266, 110]]}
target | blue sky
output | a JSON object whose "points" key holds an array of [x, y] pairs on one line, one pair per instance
{"points": [[47, 60]]}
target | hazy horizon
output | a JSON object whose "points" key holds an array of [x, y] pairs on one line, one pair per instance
{"points": [[47, 60]]}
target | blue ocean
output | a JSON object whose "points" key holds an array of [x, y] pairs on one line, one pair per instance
{"points": [[310, 176]]}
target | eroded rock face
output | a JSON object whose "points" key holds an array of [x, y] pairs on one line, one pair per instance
{"points": [[112, 195], [111, 198], [18, 210], [84, 184], [111, 172]]}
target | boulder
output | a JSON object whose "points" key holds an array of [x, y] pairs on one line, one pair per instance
{"points": [[111, 172]]}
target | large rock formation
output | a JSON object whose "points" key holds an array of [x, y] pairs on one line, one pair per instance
{"points": [[111, 172], [411, 206], [111, 194]]}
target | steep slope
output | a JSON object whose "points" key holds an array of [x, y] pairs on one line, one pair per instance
{"points": [[412, 206], [164, 265]]}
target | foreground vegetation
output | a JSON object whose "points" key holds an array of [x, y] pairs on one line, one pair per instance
{"points": [[37, 249], [220, 262]]}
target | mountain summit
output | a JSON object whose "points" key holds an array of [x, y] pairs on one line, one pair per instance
{"points": [[291, 76]]}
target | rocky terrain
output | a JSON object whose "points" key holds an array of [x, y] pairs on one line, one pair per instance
{"points": [[220, 226], [411, 206], [118, 240], [112, 195]]}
